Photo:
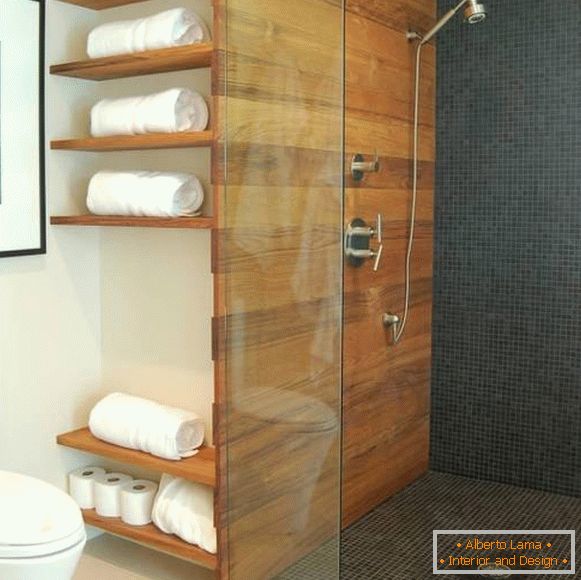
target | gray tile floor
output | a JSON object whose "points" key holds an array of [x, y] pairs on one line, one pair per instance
{"points": [[394, 542]]}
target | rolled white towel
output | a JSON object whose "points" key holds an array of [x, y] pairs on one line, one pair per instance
{"points": [[147, 426], [176, 27], [172, 111], [145, 193], [186, 509]]}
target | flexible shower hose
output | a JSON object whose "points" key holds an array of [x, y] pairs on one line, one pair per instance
{"points": [[399, 328]]}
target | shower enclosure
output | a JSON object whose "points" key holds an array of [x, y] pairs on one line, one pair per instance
{"points": [[333, 419], [315, 392]]}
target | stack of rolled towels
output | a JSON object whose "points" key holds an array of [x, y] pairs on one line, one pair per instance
{"points": [[180, 507], [177, 110], [176, 27], [113, 495], [147, 193]]}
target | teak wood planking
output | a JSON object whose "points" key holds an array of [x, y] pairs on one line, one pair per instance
{"points": [[138, 64], [152, 537], [386, 387], [278, 269], [219, 426]]}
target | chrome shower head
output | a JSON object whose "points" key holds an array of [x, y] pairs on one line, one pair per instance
{"points": [[474, 12]]}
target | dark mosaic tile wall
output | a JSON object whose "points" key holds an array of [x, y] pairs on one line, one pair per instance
{"points": [[507, 322]]}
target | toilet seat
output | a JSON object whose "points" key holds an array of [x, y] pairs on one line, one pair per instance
{"points": [[36, 518]]}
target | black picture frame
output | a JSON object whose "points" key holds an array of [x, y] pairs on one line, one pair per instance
{"points": [[41, 142]]}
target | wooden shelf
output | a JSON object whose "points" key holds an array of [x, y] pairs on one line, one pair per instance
{"points": [[141, 63], [200, 468], [136, 142], [152, 537], [101, 4], [184, 223]]}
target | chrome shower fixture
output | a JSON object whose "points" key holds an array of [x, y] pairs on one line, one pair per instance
{"points": [[474, 12]]}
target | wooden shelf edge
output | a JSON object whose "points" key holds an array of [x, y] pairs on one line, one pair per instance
{"points": [[141, 63], [101, 4], [136, 142], [194, 223], [151, 537], [200, 468]]}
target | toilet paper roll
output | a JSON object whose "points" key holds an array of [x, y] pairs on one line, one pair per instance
{"points": [[81, 486], [137, 502], [108, 493]]}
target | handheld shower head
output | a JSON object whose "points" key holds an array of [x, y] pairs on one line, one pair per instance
{"points": [[474, 12]]}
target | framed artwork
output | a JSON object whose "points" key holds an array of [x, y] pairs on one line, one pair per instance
{"points": [[22, 167]]}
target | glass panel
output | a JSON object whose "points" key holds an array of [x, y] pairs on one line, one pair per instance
{"points": [[281, 248]]}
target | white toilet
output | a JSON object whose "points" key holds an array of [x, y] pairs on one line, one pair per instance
{"points": [[42, 534]]}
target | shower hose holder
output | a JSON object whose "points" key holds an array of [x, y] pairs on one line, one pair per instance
{"points": [[359, 167]]}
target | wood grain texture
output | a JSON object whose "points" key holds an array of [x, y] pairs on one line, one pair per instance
{"points": [[136, 142], [195, 223], [151, 537], [278, 262], [219, 422], [199, 468], [101, 4], [386, 387], [138, 64]]}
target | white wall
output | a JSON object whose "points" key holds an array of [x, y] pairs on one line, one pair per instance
{"points": [[104, 310], [50, 318], [157, 284]]}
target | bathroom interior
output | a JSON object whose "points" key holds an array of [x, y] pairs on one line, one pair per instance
{"points": [[354, 279]]}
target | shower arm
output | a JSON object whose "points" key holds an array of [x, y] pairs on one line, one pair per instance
{"points": [[412, 35]]}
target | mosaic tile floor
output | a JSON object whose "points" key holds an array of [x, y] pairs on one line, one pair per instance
{"points": [[394, 542]]}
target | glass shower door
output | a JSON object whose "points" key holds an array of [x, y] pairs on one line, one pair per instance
{"points": [[281, 215]]}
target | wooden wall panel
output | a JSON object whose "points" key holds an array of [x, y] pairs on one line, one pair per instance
{"points": [[278, 259], [386, 387]]}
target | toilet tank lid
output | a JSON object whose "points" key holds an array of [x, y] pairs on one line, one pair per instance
{"points": [[33, 512]]}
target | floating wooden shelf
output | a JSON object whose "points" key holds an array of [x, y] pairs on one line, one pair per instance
{"points": [[152, 537], [101, 4], [200, 468], [136, 142], [184, 223], [141, 63]]}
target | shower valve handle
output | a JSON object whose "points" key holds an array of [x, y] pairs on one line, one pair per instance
{"points": [[358, 242], [378, 255], [377, 231]]}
